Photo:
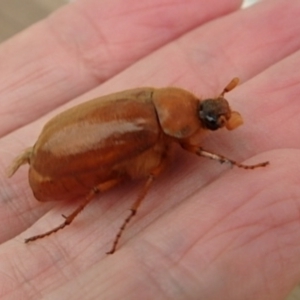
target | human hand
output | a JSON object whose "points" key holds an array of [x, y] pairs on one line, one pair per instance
{"points": [[204, 231]]}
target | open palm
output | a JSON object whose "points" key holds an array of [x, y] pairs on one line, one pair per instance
{"points": [[205, 230]]}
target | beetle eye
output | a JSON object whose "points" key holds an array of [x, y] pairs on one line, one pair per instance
{"points": [[210, 121], [214, 113]]}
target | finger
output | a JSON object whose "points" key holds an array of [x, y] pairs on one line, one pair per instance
{"points": [[84, 44], [204, 60], [246, 145], [245, 239]]}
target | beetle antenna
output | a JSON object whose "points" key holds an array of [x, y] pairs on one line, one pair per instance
{"points": [[230, 86]]}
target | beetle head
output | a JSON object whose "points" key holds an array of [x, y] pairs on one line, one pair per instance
{"points": [[216, 113]]}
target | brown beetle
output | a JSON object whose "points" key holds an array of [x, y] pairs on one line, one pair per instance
{"points": [[94, 146]]}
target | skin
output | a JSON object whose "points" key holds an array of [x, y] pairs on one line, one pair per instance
{"points": [[205, 230]]}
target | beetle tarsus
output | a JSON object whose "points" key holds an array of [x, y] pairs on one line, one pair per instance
{"points": [[223, 159], [220, 158], [68, 219], [40, 236], [122, 228], [135, 206]]}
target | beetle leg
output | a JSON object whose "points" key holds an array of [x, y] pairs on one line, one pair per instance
{"points": [[222, 159], [137, 203], [133, 211], [20, 160], [69, 219]]}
